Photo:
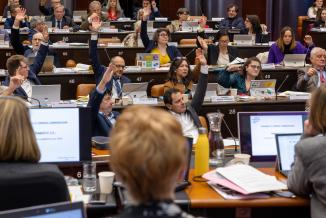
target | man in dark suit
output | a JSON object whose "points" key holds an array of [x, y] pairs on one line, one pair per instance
{"points": [[17, 64], [118, 78], [14, 9], [187, 113], [233, 21], [60, 21], [48, 11], [101, 102]]}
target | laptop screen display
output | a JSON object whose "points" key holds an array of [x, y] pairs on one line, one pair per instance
{"points": [[63, 134], [285, 149], [257, 131]]}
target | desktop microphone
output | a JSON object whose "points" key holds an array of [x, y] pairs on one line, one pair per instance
{"points": [[136, 88], [107, 54], [278, 89], [190, 52], [26, 98]]}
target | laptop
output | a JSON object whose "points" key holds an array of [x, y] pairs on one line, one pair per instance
{"points": [[285, 144], [257, 131], [185, 182], [294, 60], [135, 90], [244, 39], [210, 91], [47, 64], [262, 88], [56, 210], [46, 93], [189, 26], [148, 60]]}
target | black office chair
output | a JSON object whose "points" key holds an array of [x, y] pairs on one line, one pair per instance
{"points": [[29, 184]]}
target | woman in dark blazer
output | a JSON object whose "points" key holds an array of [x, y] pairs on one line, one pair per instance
{"points": [[253, 27]]}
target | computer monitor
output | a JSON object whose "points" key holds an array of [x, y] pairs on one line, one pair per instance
{"points": [[257, 131], [56, 210], [63, 134]]}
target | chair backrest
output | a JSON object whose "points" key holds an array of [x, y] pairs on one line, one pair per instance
{"points": [[300, 20], [28, 184], [84, 89], [192, 42], [203, 122], [109, 40], [157, 90]]}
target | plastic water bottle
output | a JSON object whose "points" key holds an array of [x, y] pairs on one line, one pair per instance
{"points": [[202, 153], [89, 177]]}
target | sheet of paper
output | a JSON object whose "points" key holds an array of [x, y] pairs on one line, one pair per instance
{"points": [[250, 179]]}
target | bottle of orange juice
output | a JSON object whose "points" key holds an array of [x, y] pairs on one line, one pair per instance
{"points": [[202, 153]]}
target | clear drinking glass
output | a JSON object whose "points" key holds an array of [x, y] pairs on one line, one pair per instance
{"points": [[89, 177]]}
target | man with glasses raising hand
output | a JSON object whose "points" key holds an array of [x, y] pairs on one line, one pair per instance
{"points": [[115, 85]]}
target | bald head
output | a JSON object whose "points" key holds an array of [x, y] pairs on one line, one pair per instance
{"points": [[119, 63], [36, 40]]}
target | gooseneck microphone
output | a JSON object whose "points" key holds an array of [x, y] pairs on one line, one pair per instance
{"points": [[278, 89], [30, 98]]}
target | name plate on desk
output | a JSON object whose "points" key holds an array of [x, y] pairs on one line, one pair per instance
{"points": [[108, 30], [161, 19], [149, 101], [222, 98], [64, 104], [124, 19], [61, 30]]}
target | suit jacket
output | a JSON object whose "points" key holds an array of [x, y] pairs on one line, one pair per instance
{"points": [[232, 80], [306, 86], [48, 11], [65, 21], [99, 69], [172, 51], [34, 69], [213, 52], [30, 184], [308, 176], [10, 22], [101, 126], [229, 23]]}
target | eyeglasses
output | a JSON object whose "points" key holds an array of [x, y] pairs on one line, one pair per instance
{"points": [[120, 66], [255, 67]]}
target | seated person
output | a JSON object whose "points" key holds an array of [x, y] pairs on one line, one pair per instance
{"points": [[187, 114], [60, 21], [176, 25], [37, 39], [131, 40], [312, 11], [36, 26], [307, 177], [180, 76], [148, 135], [312, 77], [159, 44], [17, 64], [24, 182], [6, 9], [14, 83], [253, 27], [232, 21], [114, 10], [221, 54], [149, 8], [94, 15], [241, 80], [101, 102], [119, 64], [321, 18], [286, 44], [48, 11], [14, 9]]}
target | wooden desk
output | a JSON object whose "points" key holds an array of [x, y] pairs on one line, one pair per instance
{"points": [[204, 200], [319, 38]]}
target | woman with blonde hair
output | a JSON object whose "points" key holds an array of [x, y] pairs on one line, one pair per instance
{"points": [[148, 155], [20, 171], [114, 10], [308, 170]]}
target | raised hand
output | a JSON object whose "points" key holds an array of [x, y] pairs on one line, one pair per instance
{"points": [[311, 71], [202, 43], [96, 25], [154, 6], [308, 40], [107, 76], [15, 82], [20, 14], [42, 2], [200, 56], [45, 34]]}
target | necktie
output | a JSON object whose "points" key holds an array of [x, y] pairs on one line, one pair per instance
{"points": [[117, 87], [322, 78], [58, 24]]}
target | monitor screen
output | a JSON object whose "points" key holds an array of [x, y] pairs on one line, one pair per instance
{"points": [[63, 134], [257, 131], [285, 149]]}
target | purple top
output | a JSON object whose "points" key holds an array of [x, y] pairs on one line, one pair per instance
{"points": [[276, 56]]}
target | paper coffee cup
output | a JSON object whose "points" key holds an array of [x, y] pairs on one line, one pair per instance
{"points": [[185, 98], [233, 92], [106, 181], [125, 100], [241, 159]]}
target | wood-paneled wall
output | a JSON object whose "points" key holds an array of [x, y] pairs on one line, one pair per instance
{"points": [[254, 7]]}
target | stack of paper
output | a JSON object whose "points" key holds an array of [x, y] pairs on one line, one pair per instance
{"points": [[244, 179], [295, 95]]}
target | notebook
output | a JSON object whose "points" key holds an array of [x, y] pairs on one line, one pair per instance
{"points": [[46, 93], [243, 39], [285, 144], [294, 60], [262, 88], [56, 210], [257, 131], [47, 64]]}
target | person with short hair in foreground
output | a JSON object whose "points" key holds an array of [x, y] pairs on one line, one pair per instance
{"points": [[148, 155], [308, 175]]}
